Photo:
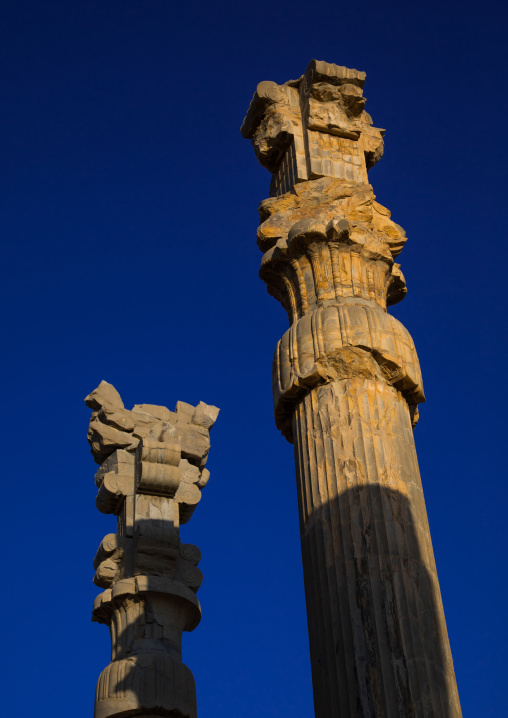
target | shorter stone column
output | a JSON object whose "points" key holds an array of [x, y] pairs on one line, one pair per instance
{"points": [[151, 475]]}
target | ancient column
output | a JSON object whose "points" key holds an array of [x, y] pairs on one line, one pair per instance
{"points": [[152, 469], [346, 387]]}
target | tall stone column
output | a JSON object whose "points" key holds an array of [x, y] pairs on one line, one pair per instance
{"points": [[346, 387], [152, 469]]}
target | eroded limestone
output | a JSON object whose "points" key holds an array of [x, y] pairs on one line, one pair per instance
{"points": [[346, 389], [152, 470]]}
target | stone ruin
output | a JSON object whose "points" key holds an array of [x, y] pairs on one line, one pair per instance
{"points": [[152, 471], [346, 388]]}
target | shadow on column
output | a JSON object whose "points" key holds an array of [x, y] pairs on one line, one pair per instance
{"points": [[147, 614], [379, 645]]}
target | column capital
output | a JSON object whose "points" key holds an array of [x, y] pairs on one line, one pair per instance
{"points": [[313, 127], [152, 471], [329, 248]]}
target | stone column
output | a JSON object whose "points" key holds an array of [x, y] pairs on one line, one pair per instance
{"points": [[346, 386], [152, 469]]}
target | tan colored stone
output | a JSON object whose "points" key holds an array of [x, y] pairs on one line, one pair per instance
{"points": [[105, 396], [313, 127], [346, 387], [151, 476], [113, 427], [322, 201]]}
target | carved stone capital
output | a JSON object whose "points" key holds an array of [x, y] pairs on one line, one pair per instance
{"points": [[313, 127], [147, 616], [323, 264], [313, 351], [151, 476]]}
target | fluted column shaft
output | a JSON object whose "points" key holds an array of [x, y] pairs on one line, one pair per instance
{"points": [[346, 388], [378, 639]]}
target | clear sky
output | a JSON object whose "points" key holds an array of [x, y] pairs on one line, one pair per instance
{"points": [[128, 218]]}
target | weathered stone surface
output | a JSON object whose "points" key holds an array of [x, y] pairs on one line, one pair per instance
{"points": [[301, 363], [105, 396], [346, 389], [313, 127], [113, 427], [151, 476], [322, 201]]}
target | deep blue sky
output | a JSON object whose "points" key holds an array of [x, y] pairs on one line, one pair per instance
{"points": [[128, 217]]}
